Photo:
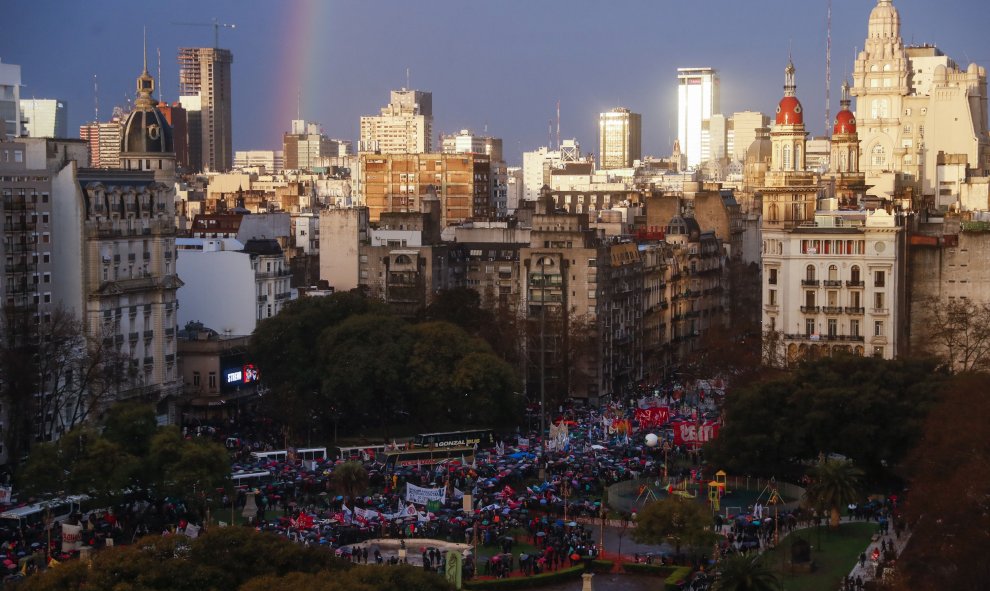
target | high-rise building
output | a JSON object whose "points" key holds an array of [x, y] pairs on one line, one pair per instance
{"points": [[744, 130], [273, 161], [914, 105], [697, 101], [306, 147], [104, 141], [44, 118], [204, 72], [10, 97], [176, 116], [620, 140], [466, 142], [537, 165], [405, 125]]}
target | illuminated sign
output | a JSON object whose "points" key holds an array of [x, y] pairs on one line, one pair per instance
{"points": [[246, 374]]}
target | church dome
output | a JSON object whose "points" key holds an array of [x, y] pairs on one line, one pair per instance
{"points": [[789, 111], [845, 122], [146, 130], [885, 22]]}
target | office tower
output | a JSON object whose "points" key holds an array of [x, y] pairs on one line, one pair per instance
{"points": [[537, 165], [10, 96], [44, 118], [466, 142], [306, 147], [405, 125], [619, 138], [697, 101], [204, 72], [272, 161], [104, 141], [744, 127]]}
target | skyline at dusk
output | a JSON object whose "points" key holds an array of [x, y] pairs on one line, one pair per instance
{"points": [[504, 65]]}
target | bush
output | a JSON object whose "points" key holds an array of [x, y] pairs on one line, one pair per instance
{"points": [[601, 566], [650, 569], [539, 580], [680, 574]]}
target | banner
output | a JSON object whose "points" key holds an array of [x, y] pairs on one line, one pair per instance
{"points": [[649, 418], [686, 433], [523, 443], [70, 537], [5, 494], [366, 514], [422, 496], [191, 531]]}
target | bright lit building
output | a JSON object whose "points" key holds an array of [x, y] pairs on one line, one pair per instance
{"points": [[697, 101], [620, 138], [44, 117], [10, 97], [405, 125]]}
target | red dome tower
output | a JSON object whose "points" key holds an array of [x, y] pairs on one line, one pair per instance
{"points": [[789, 110]]}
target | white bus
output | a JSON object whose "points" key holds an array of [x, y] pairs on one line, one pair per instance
{"points": [[311, 453], [57, 509], [278, 455], [357, 453], [249, 480]]}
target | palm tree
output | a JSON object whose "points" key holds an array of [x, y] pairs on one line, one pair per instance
{"points": [[351, 478], [745, 573], [834, 485]]}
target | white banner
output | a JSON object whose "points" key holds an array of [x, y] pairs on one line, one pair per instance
{"points": [[421, 496], [366, 514], [192, 531], [71, 537], [5, 494]]}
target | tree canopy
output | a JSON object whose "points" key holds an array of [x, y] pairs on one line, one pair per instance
{"points": [[226, 559], [742, 572], [834, 484], [378, 370], [680, 522], [866, 409], [948, 505]]}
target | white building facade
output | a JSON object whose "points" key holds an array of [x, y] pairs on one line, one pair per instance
{"points": [[697, 101]]}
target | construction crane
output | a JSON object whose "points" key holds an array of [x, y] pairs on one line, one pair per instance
{"points": [[216, 29]]}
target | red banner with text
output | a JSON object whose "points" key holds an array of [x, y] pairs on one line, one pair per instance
{"points": [[692, 434], [652, 417]]}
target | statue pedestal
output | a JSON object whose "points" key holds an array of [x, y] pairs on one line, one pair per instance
{"points": [[586, 584]]}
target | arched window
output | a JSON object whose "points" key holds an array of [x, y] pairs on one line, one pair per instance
{"points": [[797, 158], [886, 67], [833, 273], [884, 108], [786, 162], [402, 260], [854, 274], [879, 156], [809, 273], [844, 162]]}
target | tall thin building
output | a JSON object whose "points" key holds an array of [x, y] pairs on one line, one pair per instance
{"points": [[205, 72], [620, 133], [697, 101], [10, 96], [44, 118], [104, 141]]}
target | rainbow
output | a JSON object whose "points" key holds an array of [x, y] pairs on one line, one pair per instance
{"points": [[301, 59]]}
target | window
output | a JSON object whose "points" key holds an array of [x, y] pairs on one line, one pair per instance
{"points": [[772, 279], [879, 157], [854, 299], [878, 279], [809, 299], [878, 300], [809, 326], [809, 272], [196, 378], [772, 299], [854, 328], [786, 161], [878, 328], [833, 327], [854, 274]]}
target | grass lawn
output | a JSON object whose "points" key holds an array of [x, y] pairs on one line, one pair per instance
{"points": [[839, 553]]}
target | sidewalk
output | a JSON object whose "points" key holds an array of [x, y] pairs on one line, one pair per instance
{"points": [[868, 571]]}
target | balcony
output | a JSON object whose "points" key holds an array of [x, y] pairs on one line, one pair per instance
{"points": [[133, 337], [854, 284], [832, 309], [853, 310], [283, 296], [880, 311], [262, 299], [810, 309], [149, 334], [149, 361], [833, 283], [810, 282]]}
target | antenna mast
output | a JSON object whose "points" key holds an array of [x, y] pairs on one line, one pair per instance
{"points": [[558, 124], [160, 75], [96, 100], [828, 70]]}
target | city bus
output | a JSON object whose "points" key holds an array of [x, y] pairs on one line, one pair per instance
{"points": [[311, 453], [427, 456], [278, 455], [250, 480], [483, 438], [357, 453], [57, 509]]}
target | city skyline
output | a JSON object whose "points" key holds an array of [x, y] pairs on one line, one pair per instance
{"points": [[340, 63]]}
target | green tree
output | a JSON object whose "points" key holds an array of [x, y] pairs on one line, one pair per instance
{"points": [[131, 425], [834, 484], [286, 349], [187, 468], [680, 522], [745, 573], [364, 361], [958, 332], [351, 478]]}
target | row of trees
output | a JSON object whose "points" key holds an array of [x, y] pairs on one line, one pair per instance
{"points": [[128, 451], [866, 409], [348, 356], [227, 559]]}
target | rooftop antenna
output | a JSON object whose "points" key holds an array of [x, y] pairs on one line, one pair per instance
{"points": [[96, 100], [160, 75], [828, 70], [145, 30], [558, 124], [550, 133], [408, 85], [298, 104]]}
